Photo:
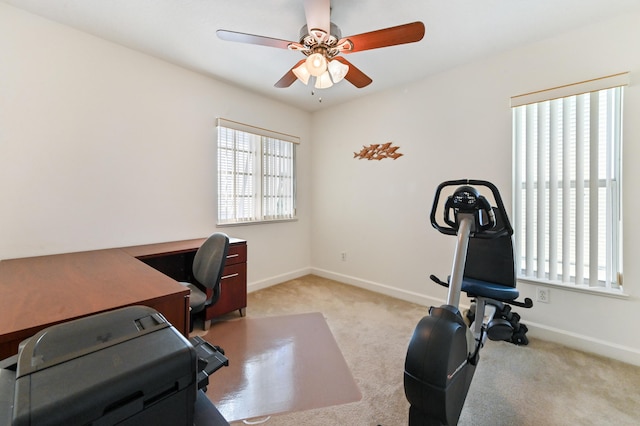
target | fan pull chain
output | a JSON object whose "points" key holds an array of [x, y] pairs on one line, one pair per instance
{"points": [[313, 93]]}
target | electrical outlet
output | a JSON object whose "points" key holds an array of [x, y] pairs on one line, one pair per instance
{"points": [[542, 294], [343, 256]]}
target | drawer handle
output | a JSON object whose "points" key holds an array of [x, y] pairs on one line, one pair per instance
{"points": [[229, 276], [232, 255]]}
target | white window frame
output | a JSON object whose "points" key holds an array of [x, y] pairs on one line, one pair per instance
{"points": [[256, 174], [551, 240]]}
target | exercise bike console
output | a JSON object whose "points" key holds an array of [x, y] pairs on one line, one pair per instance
{"points": [[444, 349]]}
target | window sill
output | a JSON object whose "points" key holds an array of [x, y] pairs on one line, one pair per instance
{"points": [[255, 222], [598, 291]]}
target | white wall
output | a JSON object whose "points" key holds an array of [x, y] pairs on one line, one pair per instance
{"points": [[458, 125], [101, 146]]}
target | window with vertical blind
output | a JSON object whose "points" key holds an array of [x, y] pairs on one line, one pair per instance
{"points": [[256, 174], [567, 184]]}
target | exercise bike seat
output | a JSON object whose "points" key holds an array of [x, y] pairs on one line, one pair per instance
{"points": [[490, 267], [489, 290]]}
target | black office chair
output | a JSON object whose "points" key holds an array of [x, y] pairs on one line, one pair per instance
{"points": [[208, 264]]}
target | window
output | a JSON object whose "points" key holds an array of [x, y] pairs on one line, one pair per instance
{"points": [[256, 174], [567, 189]]}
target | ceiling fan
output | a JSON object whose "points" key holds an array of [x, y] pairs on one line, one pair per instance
{"points": [[321, 42]]}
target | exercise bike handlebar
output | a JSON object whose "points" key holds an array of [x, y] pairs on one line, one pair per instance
{"points": [[451, 228]]}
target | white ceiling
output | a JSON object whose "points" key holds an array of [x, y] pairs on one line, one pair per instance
{"points": [[457, 31]]}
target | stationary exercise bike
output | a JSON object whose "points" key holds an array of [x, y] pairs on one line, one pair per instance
{"points": [[445, 347]]}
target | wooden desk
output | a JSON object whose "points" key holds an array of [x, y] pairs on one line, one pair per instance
{"points": [[41, 291], [37, 292]]}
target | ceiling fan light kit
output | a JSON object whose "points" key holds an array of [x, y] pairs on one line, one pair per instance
{"points": [[330, 73], [338, 70], [323, 81], [316, 64], [321, 42], [302, 73]]}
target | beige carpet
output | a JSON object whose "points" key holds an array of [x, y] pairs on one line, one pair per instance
{"points": [[538, 384]]}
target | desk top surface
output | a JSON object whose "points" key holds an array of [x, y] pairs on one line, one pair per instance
{"points": [[54, 288], [156, 249]]}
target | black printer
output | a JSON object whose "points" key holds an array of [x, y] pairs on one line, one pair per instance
{"points": [[126, 367]]}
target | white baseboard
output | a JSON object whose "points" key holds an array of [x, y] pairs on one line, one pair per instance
{"points": [[540, 331], [278, 279], [584, 343], [405, 295]]}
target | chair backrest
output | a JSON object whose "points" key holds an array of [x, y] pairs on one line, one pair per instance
{"points": [[209, 260], [492, 260]]}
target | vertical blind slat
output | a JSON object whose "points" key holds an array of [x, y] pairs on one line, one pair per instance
{"points": [[566, 189], [594, 183], [554, 202], [541, 234], [579, 179], [518, 117], [529, 182]]}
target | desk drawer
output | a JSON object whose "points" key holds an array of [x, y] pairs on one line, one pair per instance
{"points": [[233, 291], [237, 254], [234, 274]]}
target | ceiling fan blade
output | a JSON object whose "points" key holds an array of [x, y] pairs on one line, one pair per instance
{"points": [[253, 39], [354, 75], [318, 13], [392, 36], [288, 79]]}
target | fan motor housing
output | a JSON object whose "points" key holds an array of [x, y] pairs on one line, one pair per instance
{"points": [[307, 39]]}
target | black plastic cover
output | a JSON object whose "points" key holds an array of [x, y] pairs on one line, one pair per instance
{"points": [[437, 373], [127, 366]]}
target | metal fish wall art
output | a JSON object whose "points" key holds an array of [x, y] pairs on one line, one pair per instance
{"points": [[378, 152]]}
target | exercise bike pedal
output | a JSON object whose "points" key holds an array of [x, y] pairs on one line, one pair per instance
{"points": [[506, 312], [499, 329], [515, 322]]}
